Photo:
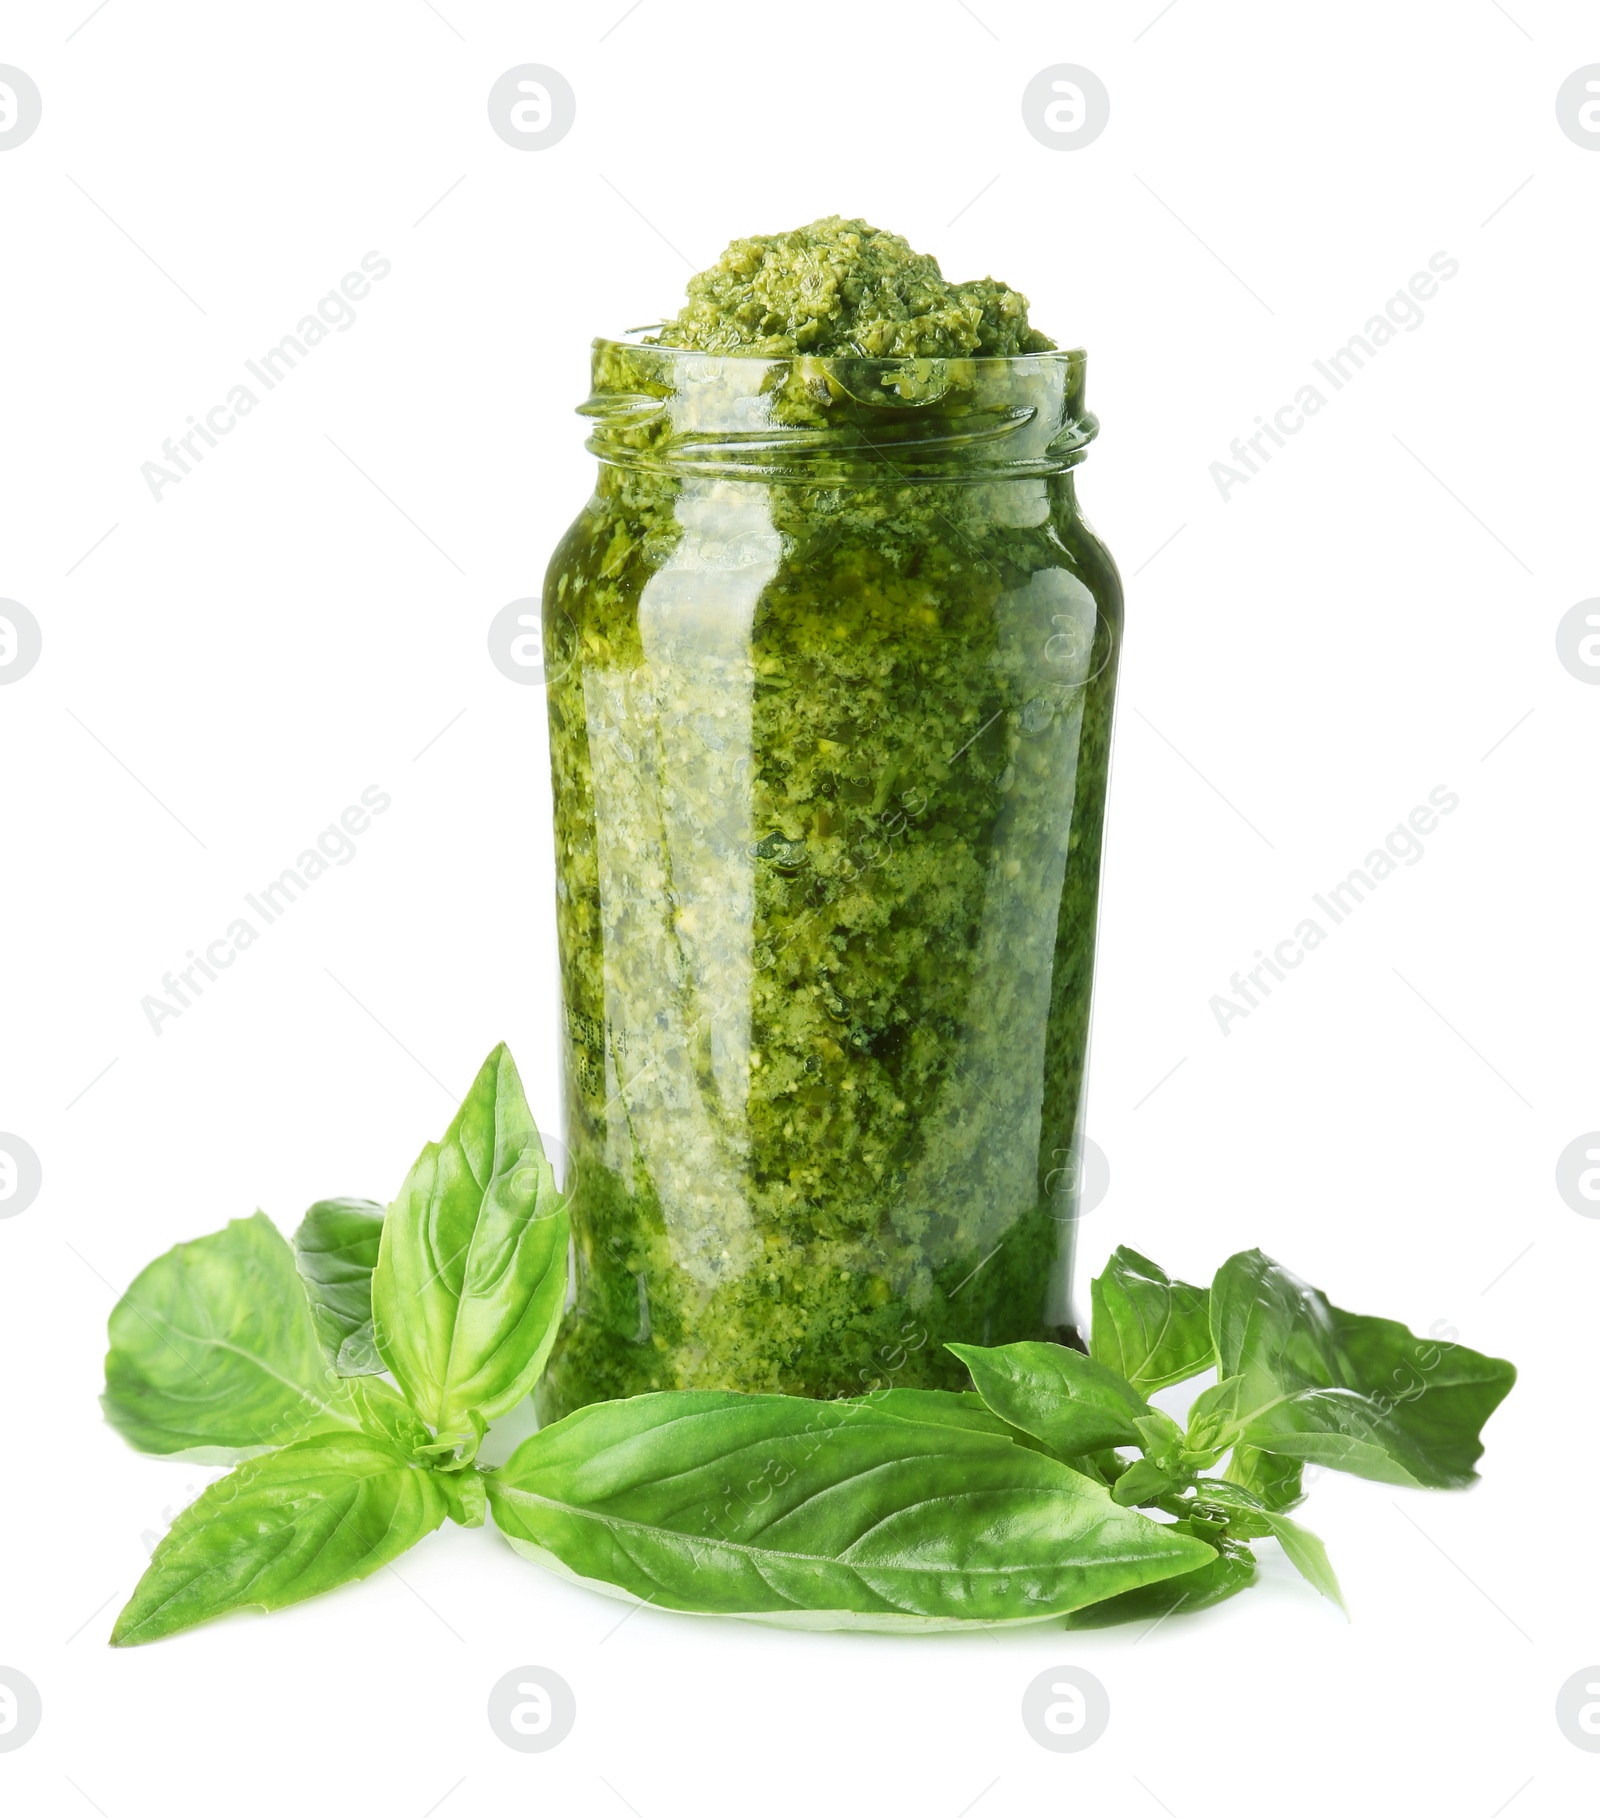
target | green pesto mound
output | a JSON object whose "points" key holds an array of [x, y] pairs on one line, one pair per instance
{"points": [[842, 287]]}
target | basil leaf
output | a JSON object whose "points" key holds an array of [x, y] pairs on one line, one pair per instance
{"points": [[472, 1269], [336, 1250], [214, 1356], [1307, 1554], [1161, 1439], [1147, 1482], [1241, 1510], [1214, 1415], [1302, 1548], [464, 1492], [1151, 1329], [1270, 1329], [941, 1407], [316, 1514], [1276, 1480], [1220, 1578], [1344, 1390], [820, 1515], [1060, 1396], [387, 1416], [1345, 1430], [965, 1409]]}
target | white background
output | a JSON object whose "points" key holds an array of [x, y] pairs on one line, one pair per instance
{"points": [[1369, 617]]}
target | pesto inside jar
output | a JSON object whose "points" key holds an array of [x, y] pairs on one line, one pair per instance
{"points": [[842, 287], [830, 661]]}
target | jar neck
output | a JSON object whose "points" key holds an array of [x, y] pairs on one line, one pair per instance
{"points": [[837, 421]]}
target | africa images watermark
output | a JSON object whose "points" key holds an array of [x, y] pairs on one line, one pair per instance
{"points": [[1402, 311], [1402, 846], [335, 845], [334, 313]]}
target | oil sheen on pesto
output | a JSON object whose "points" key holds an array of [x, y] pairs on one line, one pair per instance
{"points": [[831, 654]]}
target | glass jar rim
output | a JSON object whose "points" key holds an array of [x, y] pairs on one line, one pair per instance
{"points": [[837, 418], [636, 338]]}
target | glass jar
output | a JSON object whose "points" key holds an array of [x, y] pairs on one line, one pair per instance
{"points": [[830, 658]]}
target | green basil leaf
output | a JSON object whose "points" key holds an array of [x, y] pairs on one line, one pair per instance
{"points": [[1147, 1482], [1271, 1329], [1274, 1479], [319, 1513], [1307, 1554], [1245, 1512], [336, 1250], [1161, 1439], [1220, 1578], [820, 1515], [1346, 1430], [214, 1355], [1252, 1516], [1068, 1400], [966, 1409], [386, 1415], [472, 1269], [464, 1492], [942, 1407], [456, 1454], [1151, 1329], [1347, 1391], [1214, 1414]]}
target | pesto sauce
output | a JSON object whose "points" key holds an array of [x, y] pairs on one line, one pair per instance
{"points": [[829, 752], [842, 287]]}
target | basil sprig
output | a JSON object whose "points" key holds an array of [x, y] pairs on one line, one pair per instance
{"points": [[225, 1349], [350, 1380], [1300, 1381]]}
